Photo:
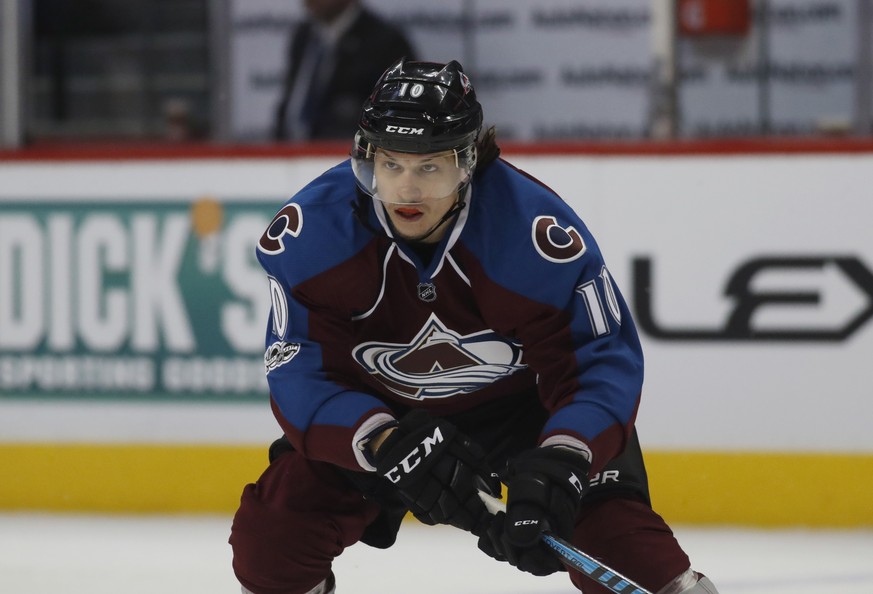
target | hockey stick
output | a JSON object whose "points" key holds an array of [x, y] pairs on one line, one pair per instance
{"points": [[573, 558]]}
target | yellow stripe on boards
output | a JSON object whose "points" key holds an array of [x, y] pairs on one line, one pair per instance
{"points": [[127, 478], [751, 489], [762, 489]]}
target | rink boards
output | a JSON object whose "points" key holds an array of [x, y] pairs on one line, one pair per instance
{"points": [[131, 321], [710, 488]]}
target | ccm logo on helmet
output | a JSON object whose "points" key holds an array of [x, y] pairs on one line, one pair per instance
{"points": [[404, 130]]}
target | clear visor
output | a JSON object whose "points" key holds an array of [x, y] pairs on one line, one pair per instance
{"points": [[407, 178]]}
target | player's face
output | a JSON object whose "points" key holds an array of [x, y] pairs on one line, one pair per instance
{"points": [[417, 190]]}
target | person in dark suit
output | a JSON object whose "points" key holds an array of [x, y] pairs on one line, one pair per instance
{"points": [[335, 56]]}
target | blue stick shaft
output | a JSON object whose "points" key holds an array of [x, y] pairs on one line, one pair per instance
{"points": [[594, 569]]}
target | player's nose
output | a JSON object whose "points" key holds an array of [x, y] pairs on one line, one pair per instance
{"points": [[409, 192]]}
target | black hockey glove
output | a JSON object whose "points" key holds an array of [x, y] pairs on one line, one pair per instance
{"points": [[437, 472], [545, 487]]}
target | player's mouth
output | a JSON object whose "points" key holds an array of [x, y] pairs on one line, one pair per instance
{"points": [[408, 214]]}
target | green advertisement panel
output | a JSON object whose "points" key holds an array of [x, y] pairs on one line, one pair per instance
{"points": [[157, 300]]}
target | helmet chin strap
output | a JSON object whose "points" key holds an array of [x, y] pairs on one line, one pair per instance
{"points": [[453, 211], [458, 207]]}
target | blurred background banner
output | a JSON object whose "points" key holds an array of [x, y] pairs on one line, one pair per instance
{"points": [[257, 46], [577, 69], [795, 71], [550, 70], [586, 67]]}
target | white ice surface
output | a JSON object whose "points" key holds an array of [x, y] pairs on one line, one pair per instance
{"points": [[80, 554]]}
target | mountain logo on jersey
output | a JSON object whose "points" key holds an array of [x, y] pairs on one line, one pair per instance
{"points": [[440, 363]]}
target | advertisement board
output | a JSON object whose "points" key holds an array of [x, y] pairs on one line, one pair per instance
{"points": [[131, 299], [132, 314]]}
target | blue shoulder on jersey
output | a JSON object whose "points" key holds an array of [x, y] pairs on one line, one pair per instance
{"points": [[527, 238], [311, 226]]}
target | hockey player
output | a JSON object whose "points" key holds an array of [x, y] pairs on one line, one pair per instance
{"points": [[439, 316]]}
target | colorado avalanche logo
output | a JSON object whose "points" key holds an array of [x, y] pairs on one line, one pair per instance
{"points": [[440, 363], [555, 243], [288, 221]]}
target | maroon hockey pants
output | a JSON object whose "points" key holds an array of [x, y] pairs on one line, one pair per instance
{"points": [[300, 515]]}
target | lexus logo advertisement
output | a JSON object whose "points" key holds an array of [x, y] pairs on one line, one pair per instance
{"points": [[806, 283]]}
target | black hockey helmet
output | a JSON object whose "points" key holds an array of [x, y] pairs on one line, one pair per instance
{"points": [[421, 107]]}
